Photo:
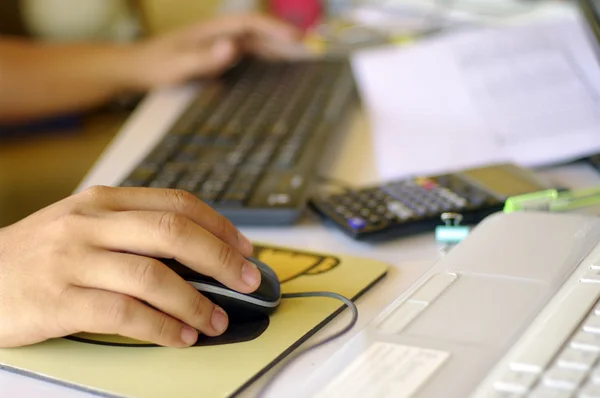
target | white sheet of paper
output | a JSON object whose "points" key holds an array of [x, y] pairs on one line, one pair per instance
{"points": [[529, 94]]}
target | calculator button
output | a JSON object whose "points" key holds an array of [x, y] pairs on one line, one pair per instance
{"points": [[461, 202], [381, 210], [374, 219], [346, 201], [378, 194], [400, 210], [443, 180], [446, 206], [372, 203], [477, 198], [390, 216], [356, 223], [355, 206]]}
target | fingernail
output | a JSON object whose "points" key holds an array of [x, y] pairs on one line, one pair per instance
{"points": [[245, 242], [250, 274], [189, 335], [219, 319]]}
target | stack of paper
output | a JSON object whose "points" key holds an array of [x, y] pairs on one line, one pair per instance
{"points": [[529, 94]]}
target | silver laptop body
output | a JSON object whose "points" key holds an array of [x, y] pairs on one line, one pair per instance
{"points": [[510, 312]]}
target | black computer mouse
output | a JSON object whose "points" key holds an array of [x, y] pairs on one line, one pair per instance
{"points": [[238, 306]]}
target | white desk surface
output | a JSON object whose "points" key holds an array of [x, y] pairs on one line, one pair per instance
{"points": [[349, 159]]}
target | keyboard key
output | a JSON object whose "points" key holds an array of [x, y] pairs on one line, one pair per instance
{"points": [[595, 376], [571, 358], [590, 391], [586, 341], [564, 379], [233, 199], [143, 173], [278, 199], [161, 184], [539, 348], [542, 391], [503, 394], [592, 276], [207, 197], [592, 324], [517, 382]]}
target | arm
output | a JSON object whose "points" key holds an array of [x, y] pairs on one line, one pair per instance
{"points": [[38, 80]]}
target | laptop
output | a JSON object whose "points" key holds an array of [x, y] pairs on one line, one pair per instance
{"points": [[513, 311]]}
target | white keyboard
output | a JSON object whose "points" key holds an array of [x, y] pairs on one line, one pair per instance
{"points": [[559, 356]]}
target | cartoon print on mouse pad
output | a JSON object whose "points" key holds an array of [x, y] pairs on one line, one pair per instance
{"points": [[287, 264]]}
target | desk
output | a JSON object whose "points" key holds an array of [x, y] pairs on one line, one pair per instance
{"points": [[37, 171], [352, 155]]}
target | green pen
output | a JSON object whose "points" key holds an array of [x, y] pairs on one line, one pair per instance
{"points": [[554, 201]]}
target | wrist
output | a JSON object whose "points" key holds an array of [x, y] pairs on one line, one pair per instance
{"points": [[121, 68], [138, 67]]}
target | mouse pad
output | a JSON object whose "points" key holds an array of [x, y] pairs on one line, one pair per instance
{"points": [[216, 367]]}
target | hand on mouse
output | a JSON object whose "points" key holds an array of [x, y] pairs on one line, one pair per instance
{"points": [[207, 49], [86, 264]]}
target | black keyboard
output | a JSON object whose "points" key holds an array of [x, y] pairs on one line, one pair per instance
{"points": [[249, 144]]}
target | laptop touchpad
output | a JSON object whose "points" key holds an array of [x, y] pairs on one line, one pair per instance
{"points": [[480, 310]]}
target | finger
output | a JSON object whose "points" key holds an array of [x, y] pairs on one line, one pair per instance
{"points": [[103, 312], [170, 200], [171, 235], [271, 50], [154, 283], [247, 24], [210, 61]]}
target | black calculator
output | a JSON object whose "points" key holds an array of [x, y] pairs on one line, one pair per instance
{"points": [[415, 205]]}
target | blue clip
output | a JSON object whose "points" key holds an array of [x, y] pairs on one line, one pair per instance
{"points": [[451, 233]]}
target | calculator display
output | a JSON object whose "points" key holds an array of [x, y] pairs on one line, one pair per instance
{"points": [[502, 180]]}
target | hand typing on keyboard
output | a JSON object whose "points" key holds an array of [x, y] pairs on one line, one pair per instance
{"points": [[87, 264], [208, 49], [41, 81]]}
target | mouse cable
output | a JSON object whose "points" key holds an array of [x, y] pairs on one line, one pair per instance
{"points": [[334, 336]]}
